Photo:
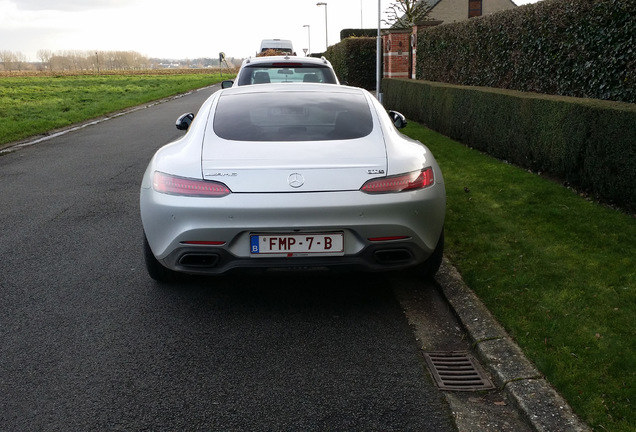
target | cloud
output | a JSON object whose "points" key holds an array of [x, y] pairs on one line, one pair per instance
{"points": [[162, 28], [67, 5]]}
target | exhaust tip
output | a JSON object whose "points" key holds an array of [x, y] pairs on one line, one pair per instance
{"points": [[393, 256], [199, 260]]}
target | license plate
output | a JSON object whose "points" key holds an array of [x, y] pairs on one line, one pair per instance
{"points": [[326, 244]]}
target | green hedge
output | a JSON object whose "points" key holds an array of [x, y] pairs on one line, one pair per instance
{"points": [[580, 48], [347, 33], [354, 60], [587, 143]]}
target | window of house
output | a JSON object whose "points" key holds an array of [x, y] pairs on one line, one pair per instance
{"points": [[474, 8]]}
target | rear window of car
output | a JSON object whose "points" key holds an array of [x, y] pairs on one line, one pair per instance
{"points": [[285, 73], [292, 116]]}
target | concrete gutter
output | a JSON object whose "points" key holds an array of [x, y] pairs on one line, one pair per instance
{"points": [[517, 378]]}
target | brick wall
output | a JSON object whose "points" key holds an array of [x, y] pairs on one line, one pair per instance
{"points": [[395, 50]]}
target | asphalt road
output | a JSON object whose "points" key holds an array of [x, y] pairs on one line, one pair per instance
{"points": [[90, 342]]}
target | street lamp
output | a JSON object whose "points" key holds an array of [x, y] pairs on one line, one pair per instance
{"points": [[325, 5], [308, 38], [378, 58]]}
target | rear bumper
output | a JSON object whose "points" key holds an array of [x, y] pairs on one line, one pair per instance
{"points": [[171, 221], [384, 256]]}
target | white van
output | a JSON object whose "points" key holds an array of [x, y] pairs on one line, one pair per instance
{"points": [[281, 46]]}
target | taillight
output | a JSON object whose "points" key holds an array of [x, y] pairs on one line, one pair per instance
{"points": [[388, 238], [400, 183], [173, 185]]}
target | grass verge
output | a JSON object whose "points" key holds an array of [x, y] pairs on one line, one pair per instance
{"points": [[557, 271], [34, 105]]}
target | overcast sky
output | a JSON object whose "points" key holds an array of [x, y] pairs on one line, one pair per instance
{"points": [[179, 30]]}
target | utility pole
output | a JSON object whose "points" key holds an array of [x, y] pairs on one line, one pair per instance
{"points": [[378, 58], [326, 27], [308, 38]]}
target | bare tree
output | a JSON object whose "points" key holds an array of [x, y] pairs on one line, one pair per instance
{"points": [[83, 61], [75, 58], [140, 61], [20, 60], [402, 14], [45, 56], [60, 62], [7, 58]]}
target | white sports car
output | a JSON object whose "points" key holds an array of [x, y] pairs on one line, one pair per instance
{"points": [[292, 176]]}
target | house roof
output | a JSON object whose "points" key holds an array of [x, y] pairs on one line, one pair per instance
{"points": [[428, 4]]}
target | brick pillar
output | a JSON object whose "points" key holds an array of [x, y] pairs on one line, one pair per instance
{"points": [[396, 53]]}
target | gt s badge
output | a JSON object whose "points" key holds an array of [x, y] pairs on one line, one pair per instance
{"points": [[221, 174]]}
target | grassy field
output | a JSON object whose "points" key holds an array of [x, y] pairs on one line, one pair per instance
{"points": [[32, 105], [558, 271]]}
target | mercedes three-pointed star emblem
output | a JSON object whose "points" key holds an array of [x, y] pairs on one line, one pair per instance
{"points": [[296, 180]]}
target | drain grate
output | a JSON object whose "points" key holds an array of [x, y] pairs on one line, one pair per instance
{"points": [[458, 371]]}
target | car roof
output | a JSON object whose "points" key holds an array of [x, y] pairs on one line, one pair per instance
{"points": [[285, 59], [293, 87]]}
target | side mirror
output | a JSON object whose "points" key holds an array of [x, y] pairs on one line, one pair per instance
{"points": [[227, 84], [184, 120], [398, 119]]}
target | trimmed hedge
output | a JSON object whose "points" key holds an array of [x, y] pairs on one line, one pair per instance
{"points": [[354, 60], [347, 33], [589, 144], [580, 48]]}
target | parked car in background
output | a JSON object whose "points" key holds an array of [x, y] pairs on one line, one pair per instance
{"points": [[283, 69], [292, 176], [280, 46]]}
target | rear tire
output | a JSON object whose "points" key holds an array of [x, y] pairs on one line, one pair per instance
{"points": [[155, 269], [430, 267]]}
